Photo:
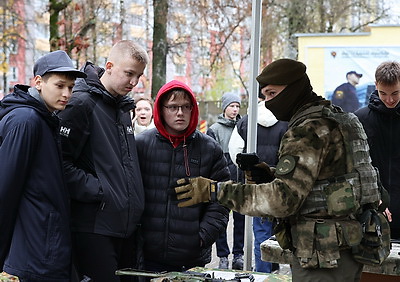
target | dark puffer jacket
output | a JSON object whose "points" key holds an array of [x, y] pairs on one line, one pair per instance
{"points": [[382, 126], [269, 134], [172, 235]]}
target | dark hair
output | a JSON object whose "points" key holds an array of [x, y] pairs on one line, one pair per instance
{"points": [[175, 93], [388, 73], [69, 75]]}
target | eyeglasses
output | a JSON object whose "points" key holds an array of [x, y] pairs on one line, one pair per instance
{"points": [[174, 108]]}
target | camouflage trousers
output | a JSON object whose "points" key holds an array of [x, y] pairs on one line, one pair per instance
{"points": [[348, 270]]}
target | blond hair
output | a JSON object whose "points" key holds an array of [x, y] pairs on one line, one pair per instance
{"points": [[130, 48]]}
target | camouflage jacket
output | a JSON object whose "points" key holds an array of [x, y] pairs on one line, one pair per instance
{"points": [[309, 151]]}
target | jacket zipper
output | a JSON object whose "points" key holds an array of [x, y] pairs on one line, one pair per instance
{"points": [[171, 174]]}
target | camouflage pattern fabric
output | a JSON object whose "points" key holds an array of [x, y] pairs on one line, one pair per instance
{"points": [[7, 277], [323, 176], [311, 151], [199, 274], [375, 245]]}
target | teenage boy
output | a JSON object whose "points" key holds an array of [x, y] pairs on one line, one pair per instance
{"points": [[101, 164], [177, 239], [35, 242], [381, 122], [222, 131]]}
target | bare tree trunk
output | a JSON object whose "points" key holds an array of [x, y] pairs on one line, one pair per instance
{"points": [[122, 15], [55, 7], [160, 46]]}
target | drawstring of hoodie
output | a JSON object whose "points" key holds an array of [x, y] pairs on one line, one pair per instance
{"points": [[185, 157], [185, 153]]}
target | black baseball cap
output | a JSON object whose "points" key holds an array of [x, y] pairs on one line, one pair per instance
{"points": [[57, 61], [353, 72]]}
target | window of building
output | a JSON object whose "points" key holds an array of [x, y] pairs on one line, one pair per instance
{"points": [[13, 73]]}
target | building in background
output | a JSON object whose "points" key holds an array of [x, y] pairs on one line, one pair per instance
{"points": [[194, 42], [208, 47], [330, 56]]}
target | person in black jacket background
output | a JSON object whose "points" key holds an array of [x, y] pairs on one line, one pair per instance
{"points": [[101, 164], [381, 122], [221, 131], [176, 238], [35, 238], [269, 135], [345, 95]]}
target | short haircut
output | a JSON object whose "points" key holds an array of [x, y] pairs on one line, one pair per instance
{"points": [[129, 47], [388, 73]]}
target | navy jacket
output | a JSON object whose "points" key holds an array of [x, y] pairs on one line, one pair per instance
{"points": [[345, 96], [100, 159], [269, 134], [34, 204], [382, 126], [268, 139]]}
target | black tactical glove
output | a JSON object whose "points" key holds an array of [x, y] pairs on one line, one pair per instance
{"points": [[260, 173], [195, 190]]}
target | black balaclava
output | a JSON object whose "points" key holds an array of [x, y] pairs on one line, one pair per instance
{"points": [[297, 93], [292, 98]]}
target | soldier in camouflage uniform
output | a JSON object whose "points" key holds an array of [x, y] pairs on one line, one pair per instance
{"points": [[322, 180]]}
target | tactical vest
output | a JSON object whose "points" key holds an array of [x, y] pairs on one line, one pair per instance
{"points": [[317, 242], [361, 177]]}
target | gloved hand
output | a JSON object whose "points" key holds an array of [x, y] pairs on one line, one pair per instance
{"points": [[195, 190], [260, 173]]}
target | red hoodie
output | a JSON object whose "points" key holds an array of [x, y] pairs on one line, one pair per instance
{"points": [[158, 120]]}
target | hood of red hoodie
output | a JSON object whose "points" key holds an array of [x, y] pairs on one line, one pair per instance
{"points": [[158, 120]]}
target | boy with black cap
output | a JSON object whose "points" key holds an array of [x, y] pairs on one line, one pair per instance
{"points": [[323, 156], [35, 242], [222, 131]]}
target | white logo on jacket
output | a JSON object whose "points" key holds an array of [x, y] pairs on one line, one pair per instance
{"points": [[129, 129], [64, 131]]}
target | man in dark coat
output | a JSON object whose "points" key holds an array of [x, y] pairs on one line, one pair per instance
{"points": [[35, 238], [345, 95]]}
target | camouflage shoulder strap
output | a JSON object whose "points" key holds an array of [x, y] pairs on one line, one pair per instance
{"points": [[358, 158]]}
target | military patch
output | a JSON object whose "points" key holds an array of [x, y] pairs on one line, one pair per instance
{"points": [[285, 165], [339, 94]]}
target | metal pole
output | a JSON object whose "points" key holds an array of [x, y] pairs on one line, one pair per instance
{"points": [[252, 122]]}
